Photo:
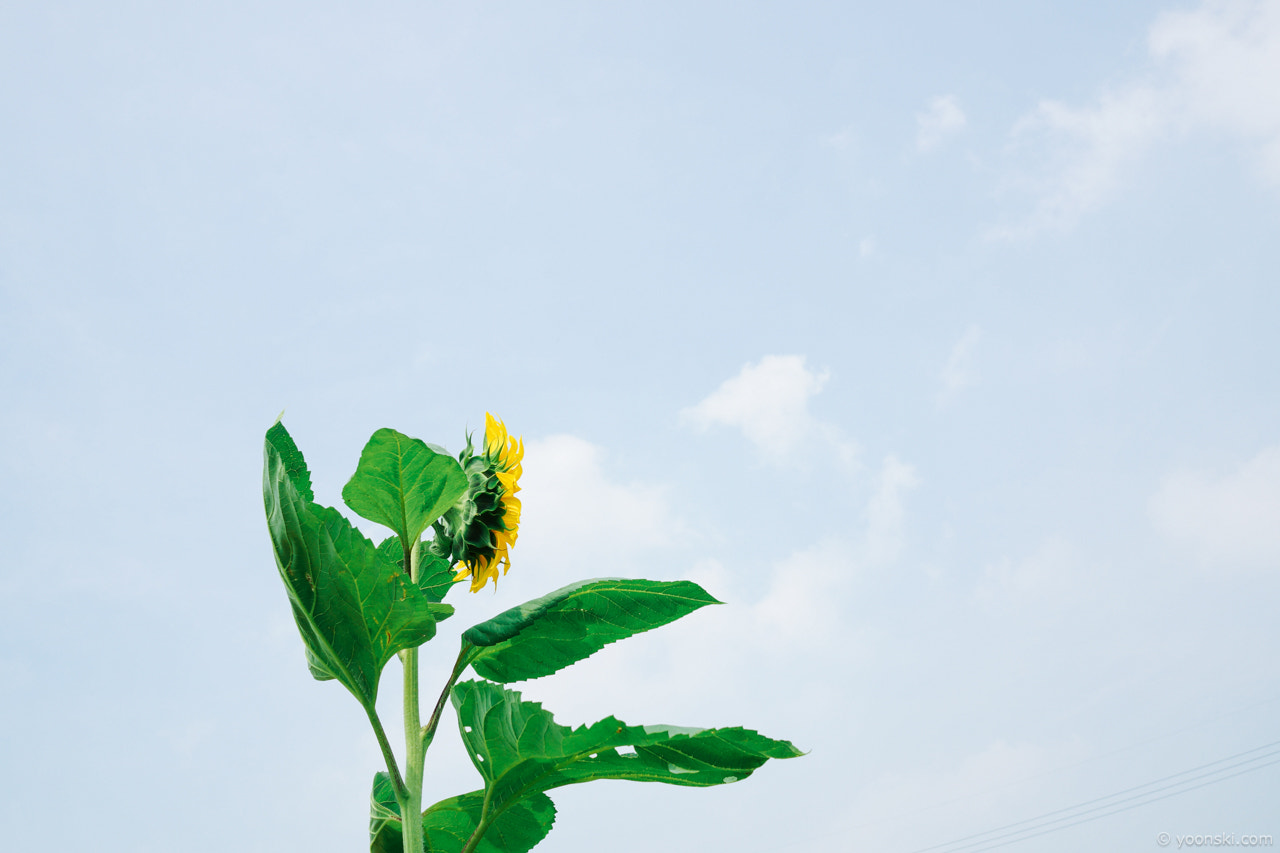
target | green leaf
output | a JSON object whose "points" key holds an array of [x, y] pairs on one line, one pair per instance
{"points": [[353, 608], [385, 834], [403, 483], [549, 633], [515, 828], [449, 823], [435, 575], [519, 749], [294, 464]]}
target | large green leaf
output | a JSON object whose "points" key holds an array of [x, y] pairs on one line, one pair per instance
{"points": [[354, 609], [449, 823], [519, 749], [403, 483], [435, 575], [549, 633]]}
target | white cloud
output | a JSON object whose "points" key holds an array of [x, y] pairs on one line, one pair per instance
{"points": [[886, 512], [1083, 152], [571, 509], [805, 597], [1046, 574], [942, 118], [960, 372], [769, 402], [1226, 58], [1229, 521], [807, 593], [1212, 69], [808, 590]]}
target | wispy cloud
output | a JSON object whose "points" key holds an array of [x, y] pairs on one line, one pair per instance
{"points": [[960, 371], [769, 403], [940, 120], [807, 596], [1226, 60], [577, 518], [886, 512], [1081, 153], [1044, 574], [805, 599], [1228, 521], [1215, 68]]}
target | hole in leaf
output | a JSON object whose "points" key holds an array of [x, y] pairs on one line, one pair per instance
{"points": [[626, 750], [595, 755], [467, 729], [479, 758], [731, 778]]}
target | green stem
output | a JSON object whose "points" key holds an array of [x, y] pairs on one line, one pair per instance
{"points": [[411, 806], [411, 803], [459, 665], [481, 825], [397, 783]]}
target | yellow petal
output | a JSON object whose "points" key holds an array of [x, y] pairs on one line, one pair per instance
{"points": [[495, 435]]}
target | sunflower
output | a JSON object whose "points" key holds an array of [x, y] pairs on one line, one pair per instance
{"points": [[479, 531]]}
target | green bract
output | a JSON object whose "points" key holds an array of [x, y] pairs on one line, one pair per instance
{"points": [[357, 606]]}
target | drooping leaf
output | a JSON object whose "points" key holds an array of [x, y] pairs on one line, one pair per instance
{"points": [[353, 608], [449, 823], [435, 575], [385, 834], [403, 483], [320, 671], [516, 828], [519, 748], [547, 634]]}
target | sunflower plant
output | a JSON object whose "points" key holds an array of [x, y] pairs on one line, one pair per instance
{"points": [[358, 604]]}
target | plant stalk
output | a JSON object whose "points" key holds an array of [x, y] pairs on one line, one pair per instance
{"points": [[411, 804], [481, 825], [429, 732], [397, 782]]}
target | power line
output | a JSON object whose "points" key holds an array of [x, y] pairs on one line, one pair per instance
{"points": [[1061, 768], [1126, 808], [1039, 823]]}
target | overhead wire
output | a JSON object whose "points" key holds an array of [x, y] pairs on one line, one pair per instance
{"points": [[1109, 801], [1092, 759], [1126, 808]]}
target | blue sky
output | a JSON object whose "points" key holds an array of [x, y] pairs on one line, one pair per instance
{"points": [[936, 339]]}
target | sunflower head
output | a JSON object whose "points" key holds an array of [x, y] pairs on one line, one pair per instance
{"points": [[477, 533]]}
